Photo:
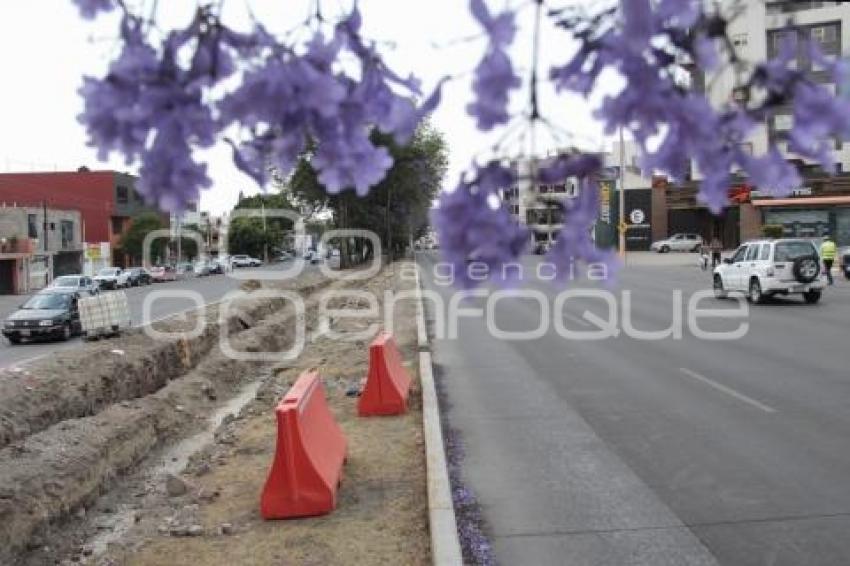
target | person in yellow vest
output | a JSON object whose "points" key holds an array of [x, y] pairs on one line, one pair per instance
{"points": [[827, 254]]}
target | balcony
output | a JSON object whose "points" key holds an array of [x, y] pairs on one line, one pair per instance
{"points": [[16, 246]]}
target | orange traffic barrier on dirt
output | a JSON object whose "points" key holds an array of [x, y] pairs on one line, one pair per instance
{"points": [[388, 383], [307, 467]]}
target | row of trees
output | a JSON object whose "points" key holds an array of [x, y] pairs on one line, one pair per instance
{"points": [[396, 209]]}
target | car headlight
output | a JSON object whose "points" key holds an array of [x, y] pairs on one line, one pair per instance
{"points": [[45, 323], [9, 324]]}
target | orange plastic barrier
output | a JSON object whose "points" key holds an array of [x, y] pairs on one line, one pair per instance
{"points": [[307, 467], [388, 382]]}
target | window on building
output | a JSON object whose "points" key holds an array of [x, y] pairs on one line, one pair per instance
{"points": [[117, 225], [739, 40], [67, 232], [776, 39], [788, 6], [782, 122], [32, 225], [122, 195]]}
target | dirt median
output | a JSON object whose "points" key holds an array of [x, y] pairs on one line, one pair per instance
{"points": [[83, 381], [382, 509]]}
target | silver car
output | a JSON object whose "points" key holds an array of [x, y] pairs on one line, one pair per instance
{"points": [[685, 242]]}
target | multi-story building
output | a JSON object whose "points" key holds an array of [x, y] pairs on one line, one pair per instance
{"points": [[822, 203], [106, 201], [37, 244]]}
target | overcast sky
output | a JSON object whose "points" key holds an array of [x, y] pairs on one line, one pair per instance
{"points": [[46, 49]]}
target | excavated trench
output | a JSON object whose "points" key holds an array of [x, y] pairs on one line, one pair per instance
{"points": [[71, 425]]}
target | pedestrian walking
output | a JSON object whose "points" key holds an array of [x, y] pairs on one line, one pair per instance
{"points": [[827, 254], [716, 248], [703, 257]]}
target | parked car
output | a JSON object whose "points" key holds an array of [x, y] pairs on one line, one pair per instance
{"points": [[163, 273], [139, 276], [240, 260], [82, 283], [216, 266], [201, 268], [285, 256], [844, 254], [678, 243], [254, 262], [51, 313], [112, 278], [763, 268], [184, 270]]}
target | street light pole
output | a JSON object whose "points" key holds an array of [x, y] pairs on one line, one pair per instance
{"points": [[621, 225]]}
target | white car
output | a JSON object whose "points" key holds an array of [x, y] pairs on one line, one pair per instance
{"points": [[678, 243], [763, 268], [254, 262], [240, 260], [112, 278]]}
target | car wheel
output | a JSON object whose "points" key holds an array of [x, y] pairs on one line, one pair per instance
{"points": [[811, 297], [664, 249], [755, 295], [806, 269], [14, 339], [696, 248], [719, 291]]}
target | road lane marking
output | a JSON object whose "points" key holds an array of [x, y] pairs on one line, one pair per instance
{"points": [[728, 390], [578, 320]]}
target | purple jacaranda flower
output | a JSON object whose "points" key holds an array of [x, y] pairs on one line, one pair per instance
{"points": [[564, 166], [500, 29], [678, 14], [637, 22], [474, 225], [494, 80], [705, 52], [170, 177], [771, 172], [90, 9], [574, 243], [495, 77]]}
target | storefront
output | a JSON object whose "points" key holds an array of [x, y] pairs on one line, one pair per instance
{"points": [[809, 217]]}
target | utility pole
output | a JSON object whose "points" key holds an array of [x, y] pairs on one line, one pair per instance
{"points": [[44, 224], [179, 239], [621, 226], [265, 236]]}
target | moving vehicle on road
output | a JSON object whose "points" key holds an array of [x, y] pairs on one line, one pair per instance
{"points": [[51, 313], [81, 283], [764, 268], [112, 278], [163, 273], [139, 276], [678, 243]]}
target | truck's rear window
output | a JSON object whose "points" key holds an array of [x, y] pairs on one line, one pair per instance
{"points": [[789, 251]]}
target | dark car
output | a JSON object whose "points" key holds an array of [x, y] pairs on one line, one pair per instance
{"points": [[138, 276], [82, 283], [52, 313]]}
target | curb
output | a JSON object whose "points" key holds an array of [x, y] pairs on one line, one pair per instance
{"points": [[445, 544]]}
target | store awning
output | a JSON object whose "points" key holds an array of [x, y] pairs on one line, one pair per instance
{"points": [[813, 201]]}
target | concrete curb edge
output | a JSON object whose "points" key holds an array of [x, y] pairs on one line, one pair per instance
{"points": [[445, 543]]}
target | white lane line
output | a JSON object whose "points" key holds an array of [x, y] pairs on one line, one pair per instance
{"points": [[728, 390], [578, 320]]}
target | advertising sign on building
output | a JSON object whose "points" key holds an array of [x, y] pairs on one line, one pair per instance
{"points": [[605, 201]]}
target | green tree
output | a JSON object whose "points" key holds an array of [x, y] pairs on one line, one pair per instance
{"points": [[132, 242], [396, 209], [257, 235]]}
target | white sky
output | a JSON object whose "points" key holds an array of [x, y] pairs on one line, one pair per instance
{"points": [[46, 49]]}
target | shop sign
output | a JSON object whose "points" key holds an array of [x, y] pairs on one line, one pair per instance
{"points": [[605, 202]]}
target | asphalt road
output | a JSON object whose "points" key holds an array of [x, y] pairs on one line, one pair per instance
{"points": [[670, 451], [210, 289]]}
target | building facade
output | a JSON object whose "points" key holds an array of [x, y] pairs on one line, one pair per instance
{"points": [[36, 245], [106, 201], [822, 203]]}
